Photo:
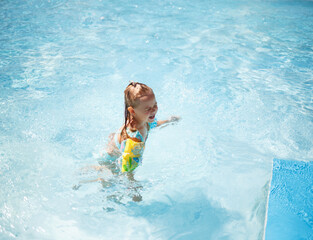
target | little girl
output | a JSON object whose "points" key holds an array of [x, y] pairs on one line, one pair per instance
{"points": [[140, 117]]}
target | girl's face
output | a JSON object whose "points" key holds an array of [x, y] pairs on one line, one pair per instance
{"points": [[147, 109]]}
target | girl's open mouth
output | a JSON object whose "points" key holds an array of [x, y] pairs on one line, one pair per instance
{"points": [[151, 117]]}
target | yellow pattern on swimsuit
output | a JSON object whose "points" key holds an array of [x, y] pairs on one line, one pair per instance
{"points": [[132, 155]]}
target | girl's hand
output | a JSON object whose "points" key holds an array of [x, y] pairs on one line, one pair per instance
{"points": [[174, 119], [166, 122]]}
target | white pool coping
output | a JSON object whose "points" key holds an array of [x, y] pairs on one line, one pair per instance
{"points": [[267, 201]]}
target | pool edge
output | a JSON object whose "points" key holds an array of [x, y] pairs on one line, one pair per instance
{"points": [[267, 200]]}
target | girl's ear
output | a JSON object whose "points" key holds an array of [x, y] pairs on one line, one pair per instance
{"points": [[131, 110]]}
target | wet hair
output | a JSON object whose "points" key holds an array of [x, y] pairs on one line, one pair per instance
{"points": [[132, 94]]}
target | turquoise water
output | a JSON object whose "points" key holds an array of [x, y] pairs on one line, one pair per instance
{"points": [[239, 73], [290, 207]]}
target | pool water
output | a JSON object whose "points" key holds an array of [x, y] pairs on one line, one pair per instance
{"points": [[290, 207], [239, 73]]}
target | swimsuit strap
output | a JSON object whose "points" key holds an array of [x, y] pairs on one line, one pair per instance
{"points": [[135, 134]]}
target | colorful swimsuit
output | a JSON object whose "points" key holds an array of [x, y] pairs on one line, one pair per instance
{"points": [[131, 150]]}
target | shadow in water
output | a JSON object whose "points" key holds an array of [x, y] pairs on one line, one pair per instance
{"points": [[186, 217]]}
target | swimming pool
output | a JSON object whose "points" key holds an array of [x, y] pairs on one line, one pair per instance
{"points": [[238, 72]]}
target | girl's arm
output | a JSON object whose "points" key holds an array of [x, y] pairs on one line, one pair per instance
{"points": [[111, 147], [172, 119]]}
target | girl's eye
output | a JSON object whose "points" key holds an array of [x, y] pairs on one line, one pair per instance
{"points": [[149, 109]]}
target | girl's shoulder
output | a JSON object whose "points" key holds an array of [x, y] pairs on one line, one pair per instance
{"points": [[133, 133]]}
